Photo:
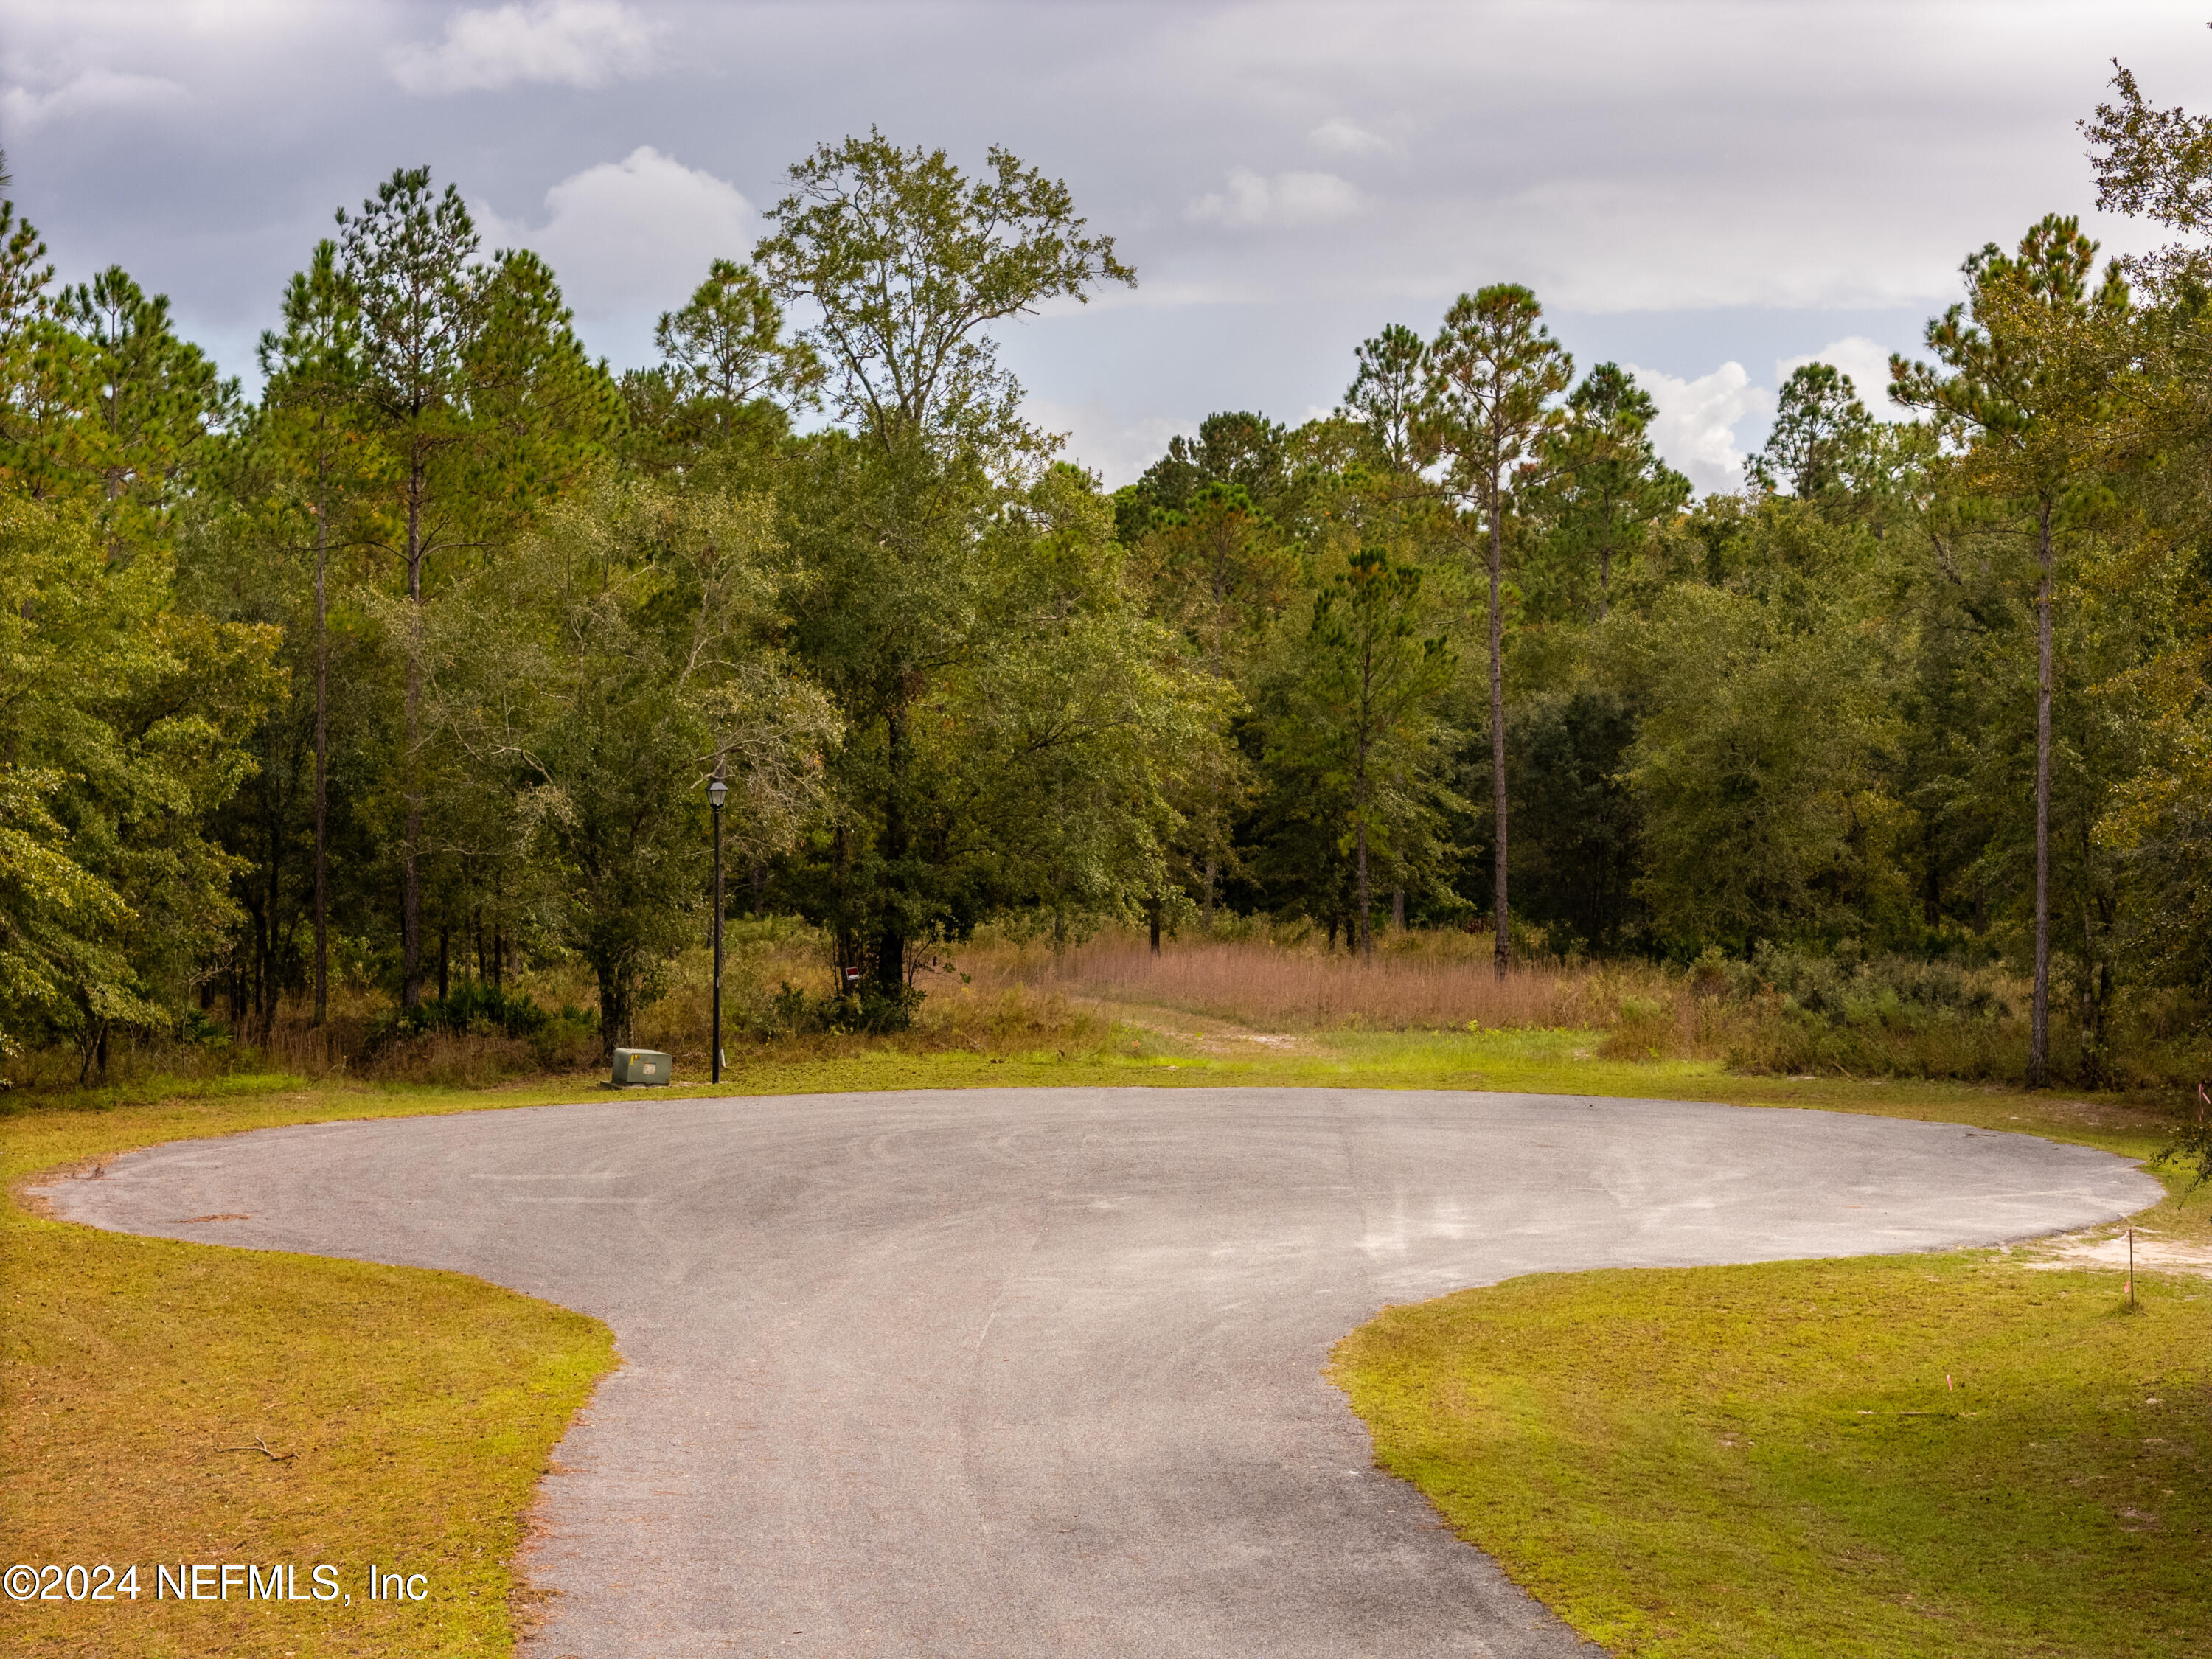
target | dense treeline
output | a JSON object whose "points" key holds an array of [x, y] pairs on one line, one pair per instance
{"points": [[414, 670]]}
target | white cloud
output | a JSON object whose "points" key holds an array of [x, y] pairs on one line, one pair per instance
{"points": [[578, 43], [1694, 430], [1867, 363], [1341, 136], [1116, 447], [640, 231], [1254, 200], [92, 91]]}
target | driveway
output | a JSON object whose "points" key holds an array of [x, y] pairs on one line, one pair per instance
{"points": [[1019, 1374]]}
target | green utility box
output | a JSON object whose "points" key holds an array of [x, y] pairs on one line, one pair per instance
{"points": [[642, 1066]]}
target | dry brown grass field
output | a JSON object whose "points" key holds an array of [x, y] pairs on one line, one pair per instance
{"points": [[1844, 1016]]}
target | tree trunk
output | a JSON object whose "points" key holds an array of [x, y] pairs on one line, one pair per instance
{"points": [[2091, 1001], [1211, 870], [1505, 951], [714, 1034], [322, 766], [1152, 916], [245, 1002], [273, 936], [1397, 909], [1363, 895], [1931, 889], [614, 1015], [1364, 899], [2039, 1040], [410, 888], [891, 941]]}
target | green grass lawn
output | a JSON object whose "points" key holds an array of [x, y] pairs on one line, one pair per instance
{"points": [[420, 1408], [1955, 1454], [413, 1413]]}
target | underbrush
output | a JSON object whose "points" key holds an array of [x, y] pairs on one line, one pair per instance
{"points": [[1843, 1014], [780, 997], [474, 1036], [1858, 1015]]}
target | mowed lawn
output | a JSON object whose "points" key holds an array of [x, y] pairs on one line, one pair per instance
{"points": [[409, 1414], [414, 1411], [1956, 1456]]}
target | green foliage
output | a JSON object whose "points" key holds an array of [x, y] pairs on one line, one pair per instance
{"points": [[908, 260], [1354, 732], [1844, 1011], [408, 259], [1243, 452], [1580, 850], [1486, 405], [1821, 429], [1011, 723], [1487, 410], [1759, 770], [103, 405], [728, 381], [475, 1009], [1386, 395], [424, 659], [865, 1010], [726, 348], [593, 681], [121, 729], [2154, 164], [2191, 1145], [1600, 491]]}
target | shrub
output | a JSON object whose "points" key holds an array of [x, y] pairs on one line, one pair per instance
{"points": [[866, 1011], [473, 1009]]}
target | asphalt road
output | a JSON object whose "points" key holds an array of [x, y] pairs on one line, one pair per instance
{"points": [[1022, 1374]]}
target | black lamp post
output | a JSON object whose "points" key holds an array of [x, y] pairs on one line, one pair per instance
{"points": [[717, 793]]}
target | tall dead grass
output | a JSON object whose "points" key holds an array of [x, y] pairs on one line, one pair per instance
{"points": [[1844, 1014], [1420, 982]]}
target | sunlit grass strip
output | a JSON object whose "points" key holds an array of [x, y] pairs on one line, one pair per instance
{"points": [[410, 1412], [407, 1417], [1767, 1462]]}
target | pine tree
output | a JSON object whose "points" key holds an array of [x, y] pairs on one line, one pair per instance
{"points": [[2031, 354], [408, 258], [1487, 410]]}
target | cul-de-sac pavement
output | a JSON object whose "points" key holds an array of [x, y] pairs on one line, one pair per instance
{"points": [[1038, 1372]]}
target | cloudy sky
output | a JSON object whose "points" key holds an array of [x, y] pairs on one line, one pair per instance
{"points": [[1709, 193]]}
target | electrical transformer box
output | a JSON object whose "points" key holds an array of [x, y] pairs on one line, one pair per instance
{"points": [[641, 1066]]}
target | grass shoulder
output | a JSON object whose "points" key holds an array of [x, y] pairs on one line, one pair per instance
{"points": [[1974, 1454]]}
